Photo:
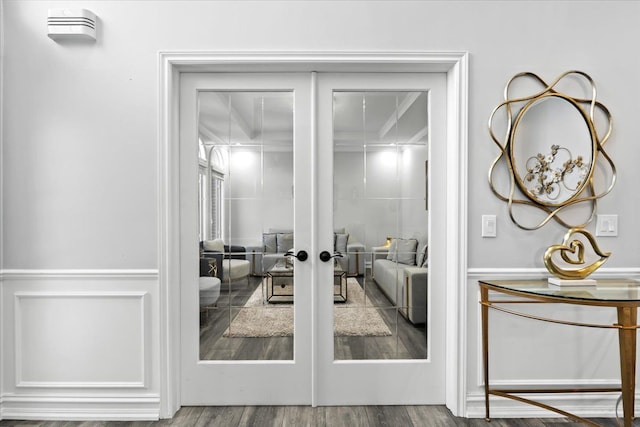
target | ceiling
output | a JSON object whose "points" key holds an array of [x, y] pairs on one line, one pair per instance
{"points": [[265, 119]]}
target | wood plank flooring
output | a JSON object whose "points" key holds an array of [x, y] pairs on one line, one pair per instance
{"points": [[330, 416], [407, 342]]}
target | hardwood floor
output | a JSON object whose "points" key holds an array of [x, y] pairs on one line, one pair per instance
{"points": [[407, 341], [331, 416]]}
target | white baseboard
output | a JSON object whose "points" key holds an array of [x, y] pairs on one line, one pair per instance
{"points": [[587, 405], [34, 407]]}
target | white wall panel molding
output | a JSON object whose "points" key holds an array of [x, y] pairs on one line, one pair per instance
{"points": [[58, 330], [84, 344], [133, 274], [541, 273], [475, 274]]}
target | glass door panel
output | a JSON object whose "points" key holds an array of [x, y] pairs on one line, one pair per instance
{"points": [[380, 154], [248, 139], [375, 136], [239, 208]]}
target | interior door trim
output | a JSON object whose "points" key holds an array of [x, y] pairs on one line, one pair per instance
{"points": [[172, 64]]}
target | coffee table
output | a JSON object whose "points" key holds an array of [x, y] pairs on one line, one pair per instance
{"points": [[279, 284]]}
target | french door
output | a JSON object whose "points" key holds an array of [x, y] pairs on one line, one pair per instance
{"points": [[321, 283]]}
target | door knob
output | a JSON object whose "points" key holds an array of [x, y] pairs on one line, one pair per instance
{"points": [[301, 255], [326, 256]]}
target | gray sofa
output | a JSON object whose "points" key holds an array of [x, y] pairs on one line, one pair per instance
{"points": [[276, 242], [401, 272]]}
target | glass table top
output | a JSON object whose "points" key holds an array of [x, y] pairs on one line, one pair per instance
{"points": [[603, 290]]}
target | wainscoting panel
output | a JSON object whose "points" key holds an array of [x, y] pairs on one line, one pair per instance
{"points": [[525, 353], [62, 337], [80, 344]]}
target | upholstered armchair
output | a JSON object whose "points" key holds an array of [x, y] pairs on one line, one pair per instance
{"points": [[209, 283], [231, 261]]}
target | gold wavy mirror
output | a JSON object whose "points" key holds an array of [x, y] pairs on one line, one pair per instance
{"points": [[551, 147]]}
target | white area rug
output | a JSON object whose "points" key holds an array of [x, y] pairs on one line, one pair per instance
{"points": [[356, 317]]}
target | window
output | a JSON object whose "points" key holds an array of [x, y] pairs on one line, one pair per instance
{"points": [[210, 189], [216, 206]]}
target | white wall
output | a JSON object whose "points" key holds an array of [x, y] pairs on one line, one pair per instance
{"points": [[414, 215], [79, 151], [258, 193], [395, 173], [385, 201]]}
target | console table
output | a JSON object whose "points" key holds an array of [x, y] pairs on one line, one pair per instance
{"points": [[623, 295]]}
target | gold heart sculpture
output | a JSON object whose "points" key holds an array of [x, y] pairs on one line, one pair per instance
{"points": [[572, 252], [574, 246]]}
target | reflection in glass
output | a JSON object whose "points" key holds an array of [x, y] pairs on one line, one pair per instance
{"points": [[246, 225], [380, 157]]}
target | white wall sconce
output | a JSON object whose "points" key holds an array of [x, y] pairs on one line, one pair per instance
{"points": [[71, 24]]}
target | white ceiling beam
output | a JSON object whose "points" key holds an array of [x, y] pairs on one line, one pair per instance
{"points": [[236, 117], [209, 135], [355, 136], [281, 135], [274, 138], [406, 103], [418, 136]]}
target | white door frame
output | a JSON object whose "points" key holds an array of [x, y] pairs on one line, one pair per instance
{"points": [[171, 64]]}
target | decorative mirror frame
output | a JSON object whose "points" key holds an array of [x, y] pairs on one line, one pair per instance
{"points": [[515, 109], [549, 179]]}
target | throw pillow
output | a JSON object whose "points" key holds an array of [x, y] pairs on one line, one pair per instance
{"points": [[392, 255], [422, 256], [425, 261], [407, 251], [214, 245], [284, 242], [341, 243], [269, 243], [208, 267]]}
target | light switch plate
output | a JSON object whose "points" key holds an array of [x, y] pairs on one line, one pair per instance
{"points": [[607, 225], [489, 227]]}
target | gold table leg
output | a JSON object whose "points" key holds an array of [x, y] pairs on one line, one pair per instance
{"points": [[484, 299], [627, 320]]}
